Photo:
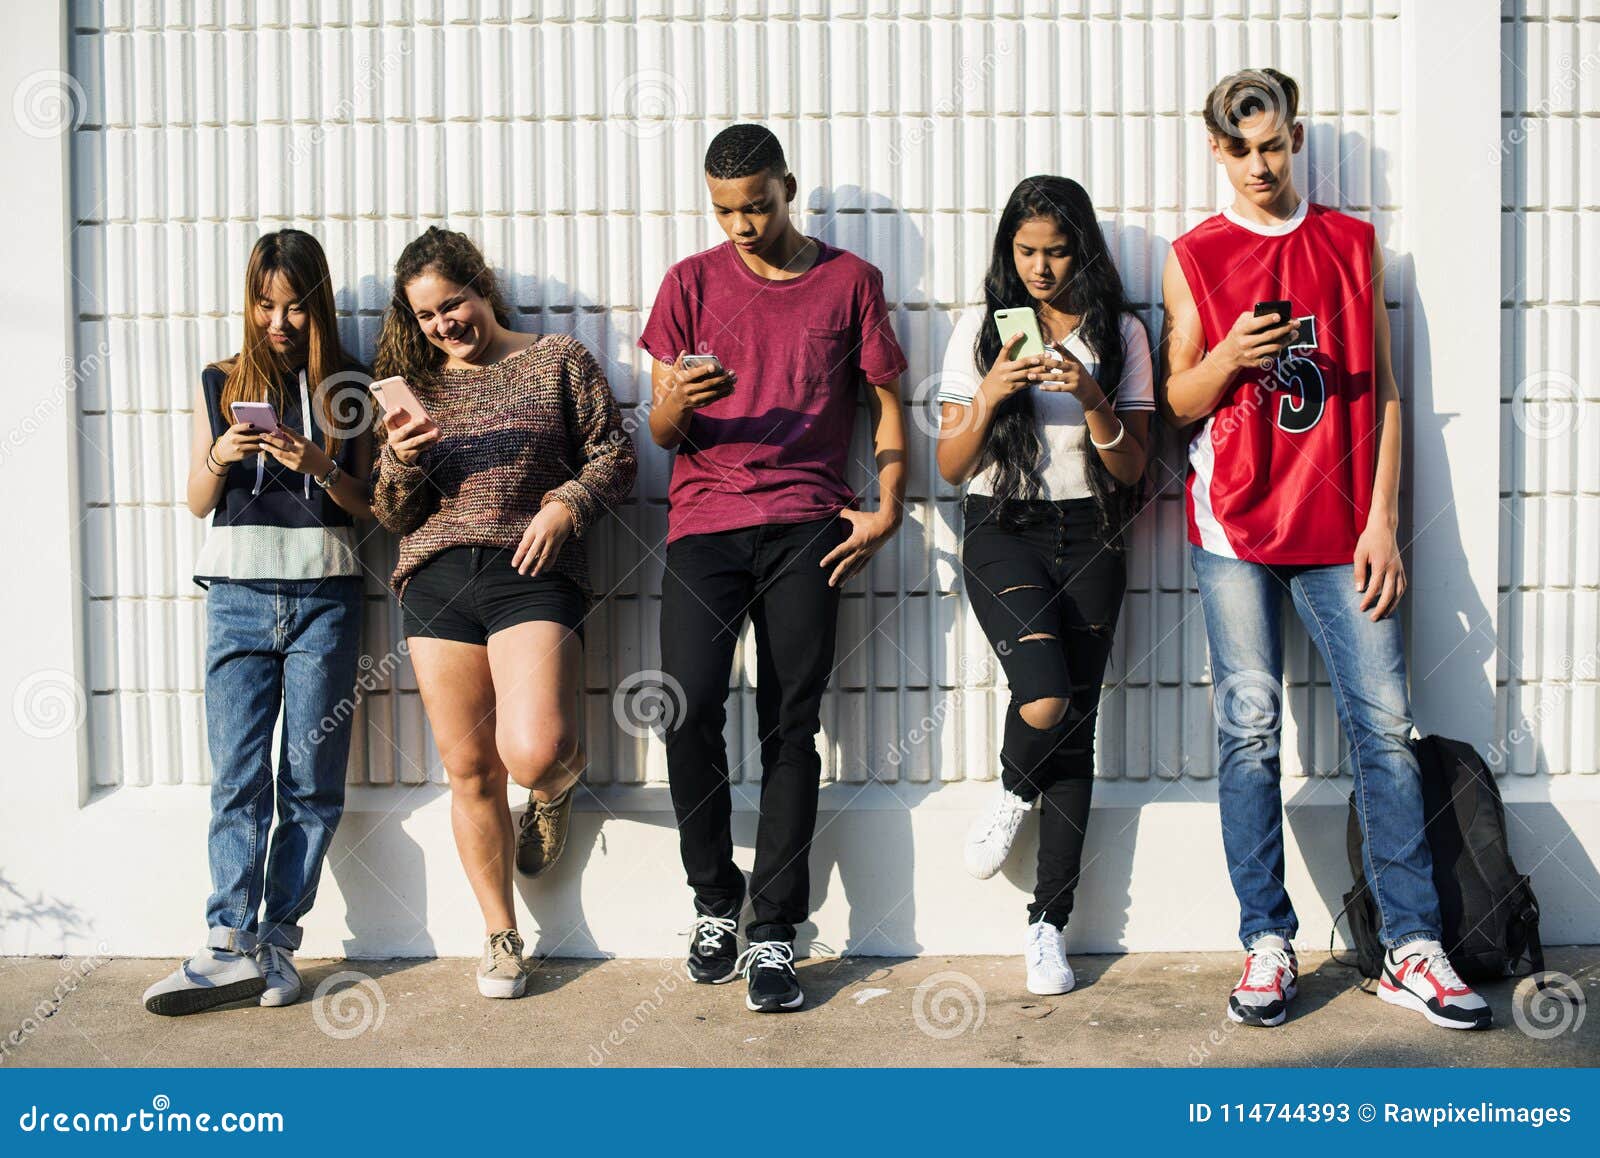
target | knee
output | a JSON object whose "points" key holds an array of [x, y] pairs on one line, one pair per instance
{"points": [[474, 771], [540, 759], [1044, 714]]}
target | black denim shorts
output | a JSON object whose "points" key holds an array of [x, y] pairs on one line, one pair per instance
{"points": [[469, 593]]}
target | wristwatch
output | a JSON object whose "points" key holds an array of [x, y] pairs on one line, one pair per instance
{"points": [[326, 481]]}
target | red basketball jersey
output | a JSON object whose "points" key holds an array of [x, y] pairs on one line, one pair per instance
{"points": [[1282, 470]]}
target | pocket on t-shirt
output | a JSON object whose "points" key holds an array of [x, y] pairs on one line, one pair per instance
{"points": [[824, 351]]}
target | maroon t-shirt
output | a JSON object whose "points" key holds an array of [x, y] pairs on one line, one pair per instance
{"points": [[773, 451]]}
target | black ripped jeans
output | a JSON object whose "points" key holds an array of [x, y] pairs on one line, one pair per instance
{"points": [[1047, 595]]}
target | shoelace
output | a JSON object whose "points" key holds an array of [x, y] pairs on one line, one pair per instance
{"points": [[708, 931], [765, 955], [1438, 964], [505, 943], [1265, 960], [275, 962], [1044, 948], [1003, 808]]}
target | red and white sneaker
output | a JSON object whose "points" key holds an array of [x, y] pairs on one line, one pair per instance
{"points": [[1267, 984], [1418, 976]]}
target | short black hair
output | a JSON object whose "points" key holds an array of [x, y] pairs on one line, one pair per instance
{"points": [[740, 150]]}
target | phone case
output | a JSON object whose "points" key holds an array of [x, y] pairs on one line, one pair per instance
{"points": [[1008, 322]]}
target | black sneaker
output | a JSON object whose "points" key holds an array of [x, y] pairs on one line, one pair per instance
{"points": [[769, 968], [714, 943]]}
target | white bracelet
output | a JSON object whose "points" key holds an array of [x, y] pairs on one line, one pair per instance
{"points": [[1114, 443]]}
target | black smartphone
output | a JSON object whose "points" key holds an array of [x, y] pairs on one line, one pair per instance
{"points": [[1284, 311]]}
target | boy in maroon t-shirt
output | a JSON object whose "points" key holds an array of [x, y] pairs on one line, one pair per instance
{"points": [[782, 329]]}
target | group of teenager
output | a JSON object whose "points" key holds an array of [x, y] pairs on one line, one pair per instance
{"points": [[510, 450]]}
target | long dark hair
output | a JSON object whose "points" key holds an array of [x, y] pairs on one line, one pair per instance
{"points": [[1094, 293]]}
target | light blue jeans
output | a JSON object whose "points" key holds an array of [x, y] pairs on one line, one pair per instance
{"points": [[1367, 668], [271, 645]]}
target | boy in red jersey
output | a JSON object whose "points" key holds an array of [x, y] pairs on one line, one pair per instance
{"points": [[1277, 361]]}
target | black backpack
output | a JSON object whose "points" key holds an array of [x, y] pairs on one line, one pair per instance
{"points": [[1490, 915]]}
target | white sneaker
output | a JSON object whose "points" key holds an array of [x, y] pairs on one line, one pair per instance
{"points": [[210, 978], [1419, 977], [992, 833], [503, 972], [283, 979], [1267, 985], [1046, 952]]}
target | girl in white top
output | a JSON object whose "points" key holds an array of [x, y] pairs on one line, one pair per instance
{"points": [[1051, 449]]}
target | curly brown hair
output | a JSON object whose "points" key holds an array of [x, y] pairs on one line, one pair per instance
{"points": [[403, 349]]}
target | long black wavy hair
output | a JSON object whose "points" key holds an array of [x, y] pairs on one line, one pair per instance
{"points": [[1095, 295]]}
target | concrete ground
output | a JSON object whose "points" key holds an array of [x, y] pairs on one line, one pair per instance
{"points": [[1153, 1009]]}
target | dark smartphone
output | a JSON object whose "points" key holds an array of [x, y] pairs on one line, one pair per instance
{"points": [[1284, 311]]}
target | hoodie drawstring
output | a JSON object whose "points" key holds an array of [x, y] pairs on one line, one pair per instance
{"points": [[305, 421]]}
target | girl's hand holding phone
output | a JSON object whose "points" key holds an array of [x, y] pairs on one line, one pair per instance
{"points": [[297, 452], [1068, 376], [1009, 375], [408, 436], [234, 443]]}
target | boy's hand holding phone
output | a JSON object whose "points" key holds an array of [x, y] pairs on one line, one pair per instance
{"points": [[1257, 337], [698, 380]]}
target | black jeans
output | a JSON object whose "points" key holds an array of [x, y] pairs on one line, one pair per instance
{"points": [[774, 573], [1060, 578]]}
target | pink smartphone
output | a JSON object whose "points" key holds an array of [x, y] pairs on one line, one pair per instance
{"points": [[393, 394], [260, 415]]}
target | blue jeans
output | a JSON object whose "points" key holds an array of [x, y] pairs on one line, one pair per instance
{"points": [[271, 645], [1367, 668]]}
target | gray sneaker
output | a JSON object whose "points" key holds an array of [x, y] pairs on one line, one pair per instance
{"points": [[543, 833], [503, 972], [283, 979], [210, 978]]}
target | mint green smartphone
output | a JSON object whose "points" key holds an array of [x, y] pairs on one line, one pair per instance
{"points": [[1008, 322]]}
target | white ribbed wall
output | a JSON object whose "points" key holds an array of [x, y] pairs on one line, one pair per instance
{"points": [[567, 139], [1548, 683]]}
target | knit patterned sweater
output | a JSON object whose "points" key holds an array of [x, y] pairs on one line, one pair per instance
{"points": [[540, 426]]}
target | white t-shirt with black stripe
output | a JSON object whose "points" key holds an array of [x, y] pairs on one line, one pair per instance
{"points": [[1063, 469]]}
